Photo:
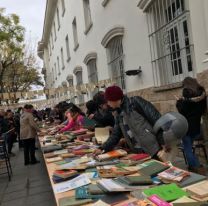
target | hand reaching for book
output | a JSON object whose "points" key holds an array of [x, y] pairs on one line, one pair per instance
{"points": [[97, 152]]}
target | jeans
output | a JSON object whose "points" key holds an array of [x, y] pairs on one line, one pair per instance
{"points": [[191, 158]]}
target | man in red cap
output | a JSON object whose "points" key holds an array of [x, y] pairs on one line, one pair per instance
{"points": [[135, 120]]}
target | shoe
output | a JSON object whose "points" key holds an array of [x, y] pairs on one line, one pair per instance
{"points": [[36, 162]]}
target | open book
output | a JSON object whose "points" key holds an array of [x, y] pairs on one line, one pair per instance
{"points": [[102, 134]]}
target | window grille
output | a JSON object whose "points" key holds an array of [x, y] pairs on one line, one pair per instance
{"points": [[170, 43], [115, 60]]}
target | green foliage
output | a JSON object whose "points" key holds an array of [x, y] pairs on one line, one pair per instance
{"points": [[18, 63]]}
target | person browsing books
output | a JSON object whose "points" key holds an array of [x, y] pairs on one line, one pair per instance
{"points": [[134, 121], [76, 119]]}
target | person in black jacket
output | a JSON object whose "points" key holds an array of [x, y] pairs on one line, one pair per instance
{"points": [[102, 116], [192, 105], [134, 121]]}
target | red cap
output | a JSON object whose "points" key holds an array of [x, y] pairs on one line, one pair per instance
{"points": [[113, 93]]}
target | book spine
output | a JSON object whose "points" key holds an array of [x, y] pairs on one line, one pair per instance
{"points": [[158, 201]]}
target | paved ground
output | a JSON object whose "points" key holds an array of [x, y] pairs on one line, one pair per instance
{"points": [[29, 185]]}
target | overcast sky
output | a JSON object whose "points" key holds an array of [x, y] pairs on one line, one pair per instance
{"points": [[31, 13]]}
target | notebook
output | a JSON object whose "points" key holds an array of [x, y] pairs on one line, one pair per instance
{"points": [[169, 192]]}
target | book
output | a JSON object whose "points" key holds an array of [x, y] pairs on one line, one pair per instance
{"points": [[67, 155], [111, 155], [100, 203], [133, 202], [191, 179], [85, 137], [51, 148], [137, 180], [152, 168], [169, 192], [113, 171], [57, 179], [137, 157], [64, 173], [59, 152], [183, 199], [83, 193], [50, 155], [72, 201], [114, 198], [200, 190], [158, 201], [102, 134], [95, 190], [82, 152], [79, 132], [173, 174], [54, 159]]}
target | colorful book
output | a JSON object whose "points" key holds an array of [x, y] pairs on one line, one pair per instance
{"points": [[113, 171], [60, 179], [158, 201], [64, 173], [138, 157], [169, 192], [83, 193], [173, 174], [112, 154]]}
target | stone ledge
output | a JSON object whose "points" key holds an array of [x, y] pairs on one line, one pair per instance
{"points": [[167, 87]]}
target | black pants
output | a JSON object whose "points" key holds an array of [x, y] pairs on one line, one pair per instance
{"points": [[10, 141], [29, 150]]}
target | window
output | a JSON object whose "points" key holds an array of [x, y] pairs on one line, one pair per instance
{"points": [[87, 15], [170, 43], [115, 60], [80, 82], [62, 58], [58, 18], [74, 27], [67, 48], [55, 71], [92, 74], [63, 7], [58, 64], [54, 27]]}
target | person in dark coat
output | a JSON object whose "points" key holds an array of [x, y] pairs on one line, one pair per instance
{"points": [[134, 121], [102, 116], [192, 105]]}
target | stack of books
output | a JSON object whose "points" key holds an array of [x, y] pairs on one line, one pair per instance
{"points": [[112, 155], [173, 174], [199, 191], [63, 175]]}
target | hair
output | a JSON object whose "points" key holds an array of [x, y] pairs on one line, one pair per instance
{"points": [[99, 98], [192, 87], [28, 106], [75, 109], [91, 107]]}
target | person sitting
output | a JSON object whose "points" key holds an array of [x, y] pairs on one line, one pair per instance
{"points": [[192, 106], [75, 119], [103, 116], [134, 121]]}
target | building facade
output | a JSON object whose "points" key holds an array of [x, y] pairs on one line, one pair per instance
{"points": [[147, 46]]}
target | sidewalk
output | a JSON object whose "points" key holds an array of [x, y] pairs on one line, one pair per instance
{"points": [[29, 185]]}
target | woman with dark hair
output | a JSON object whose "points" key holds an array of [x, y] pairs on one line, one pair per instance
{"points": [[75, 119], [192, 105]]}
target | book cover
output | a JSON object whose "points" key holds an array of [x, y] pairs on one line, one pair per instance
{"points": [[112, 154], [169, 192], [174, 174], [138, 180], [64, 173], [200, 190], [191, 179], [102, 134], [152, 168], [158, 201]]}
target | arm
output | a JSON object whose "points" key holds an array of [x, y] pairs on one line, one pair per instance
{"points": [[114, 138], [69, 126], [33, 123]]}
